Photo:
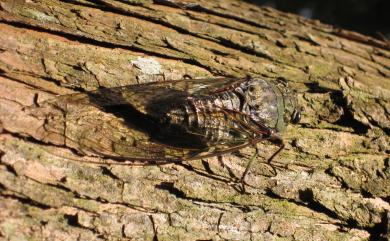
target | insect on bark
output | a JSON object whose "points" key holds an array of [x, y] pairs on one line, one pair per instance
{"points": [[172, 121]]}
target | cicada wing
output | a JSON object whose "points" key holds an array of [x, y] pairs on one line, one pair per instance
{"points": [[140, 96], [204, 87], [137, 97], [91, 131]]}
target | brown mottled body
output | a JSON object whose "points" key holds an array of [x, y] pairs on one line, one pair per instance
{"points": [[172, 120], [250, 110]]}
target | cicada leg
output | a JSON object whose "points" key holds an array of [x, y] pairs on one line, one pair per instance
{"points": [[278, 141], [273, 138], [248, 165]]}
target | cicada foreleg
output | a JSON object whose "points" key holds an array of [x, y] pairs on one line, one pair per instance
{"points": [[278, 141], [273, 138]]}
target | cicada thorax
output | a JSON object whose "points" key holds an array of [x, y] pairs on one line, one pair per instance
{"points": [[250, 110]]}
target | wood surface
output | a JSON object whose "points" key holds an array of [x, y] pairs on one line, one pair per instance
{"points": [[333, 177]]}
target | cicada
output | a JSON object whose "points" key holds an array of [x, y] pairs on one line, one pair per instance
{"points": [[171, 121]]}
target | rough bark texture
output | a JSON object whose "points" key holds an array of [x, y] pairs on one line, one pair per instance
{"points": [[333, 180]]}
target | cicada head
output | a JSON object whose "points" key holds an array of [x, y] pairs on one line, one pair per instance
{"points": [[289, 108], [273, 104]]}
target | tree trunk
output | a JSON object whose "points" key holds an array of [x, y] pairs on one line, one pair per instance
{"points": [[333, 177]]}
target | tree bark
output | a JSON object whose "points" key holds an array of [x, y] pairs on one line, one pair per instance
{"points": [[333, 177]]}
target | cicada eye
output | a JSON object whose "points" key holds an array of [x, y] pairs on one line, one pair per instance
{"points": [[252, 89], [296, 117]]}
